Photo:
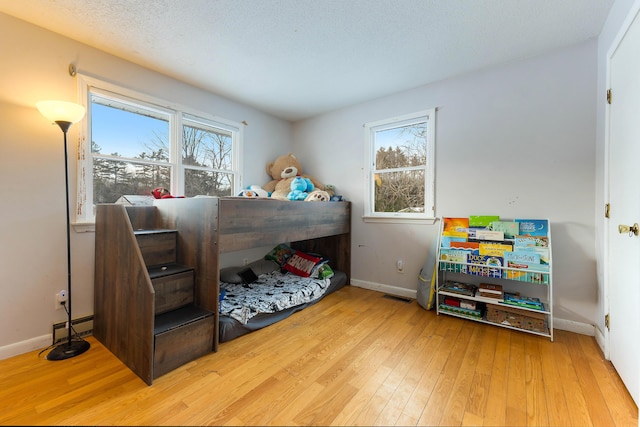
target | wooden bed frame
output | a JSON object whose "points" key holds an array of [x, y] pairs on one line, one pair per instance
{"points": [[127, 297]]}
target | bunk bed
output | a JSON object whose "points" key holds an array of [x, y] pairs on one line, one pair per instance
{"points": [[156, 306]]}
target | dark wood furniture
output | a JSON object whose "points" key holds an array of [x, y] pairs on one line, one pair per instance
{"points": [[157, 268]]}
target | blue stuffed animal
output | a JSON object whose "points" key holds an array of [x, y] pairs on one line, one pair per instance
{"points": [[300, 188]]}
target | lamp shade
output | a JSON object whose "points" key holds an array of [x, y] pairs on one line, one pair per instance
{"points": [[61, 111]]}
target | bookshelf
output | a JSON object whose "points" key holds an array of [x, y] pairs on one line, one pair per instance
{"points": [[496, 271]]}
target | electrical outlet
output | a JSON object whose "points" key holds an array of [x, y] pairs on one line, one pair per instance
{"points": [[245, 261], [400, 266], [61, 299]]}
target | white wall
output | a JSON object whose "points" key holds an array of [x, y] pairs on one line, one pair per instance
{"points": [[33, 243], [516, 140]]}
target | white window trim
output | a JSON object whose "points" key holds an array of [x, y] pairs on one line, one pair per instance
{"points": [[429, 216], [84, 218]]}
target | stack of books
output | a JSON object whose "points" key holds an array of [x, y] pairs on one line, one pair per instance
{"points": [[459, 288], [522, 301], [490, 290]]}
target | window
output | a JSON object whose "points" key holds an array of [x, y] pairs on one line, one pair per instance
{"points": [[400, 166], [138, 144]]}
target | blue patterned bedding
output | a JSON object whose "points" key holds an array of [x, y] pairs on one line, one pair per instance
{"points": [[272, 292]]}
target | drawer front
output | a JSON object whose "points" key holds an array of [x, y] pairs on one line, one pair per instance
{"points": [[173, 291], [158, 248], [181, 345]]}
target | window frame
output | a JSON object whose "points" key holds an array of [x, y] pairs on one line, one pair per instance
{"points": [[370, 129], [87, 86]]}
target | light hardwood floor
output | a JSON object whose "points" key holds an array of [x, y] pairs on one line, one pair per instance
{"points": [[355, 358]]}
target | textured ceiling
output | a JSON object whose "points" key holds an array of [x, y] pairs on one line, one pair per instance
{"points": [[299, 58]]}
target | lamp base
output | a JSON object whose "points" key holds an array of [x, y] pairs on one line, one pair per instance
{"points": [[68, 350]]}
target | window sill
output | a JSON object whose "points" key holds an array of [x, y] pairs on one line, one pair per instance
{"points": [[399, 220], [84, 227]]}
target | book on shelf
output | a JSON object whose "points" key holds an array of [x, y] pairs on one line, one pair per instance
{"points": [[490, 235], [541, 251], [454, 233], [510, 229], [471, 305], [471, 231], [445, 241], [461, 288], [525, 241], [465, 245], [482, 220], [490, 288], [454, 224], [523, 301], [485, 265], [528, 266], [533, 227], [493, 299], [454, 255], [522, 256], [452, 302], [477, 314], [494, 249]]}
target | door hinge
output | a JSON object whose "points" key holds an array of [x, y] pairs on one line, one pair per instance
{"points": [[609, 96], [606, 210], [606, 321]]}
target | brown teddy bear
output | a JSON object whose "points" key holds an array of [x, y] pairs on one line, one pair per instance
{"points": [[283, 170]]}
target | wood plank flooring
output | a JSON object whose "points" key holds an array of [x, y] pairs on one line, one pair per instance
{"points": [[354, 358]]}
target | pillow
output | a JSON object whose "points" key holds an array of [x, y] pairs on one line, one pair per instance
{"points": [[322, 270], [302, 264], [280, 254]]}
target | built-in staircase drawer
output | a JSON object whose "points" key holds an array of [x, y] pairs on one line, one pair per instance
{"points": [[157, 246], [173, 285], [180, 337]]}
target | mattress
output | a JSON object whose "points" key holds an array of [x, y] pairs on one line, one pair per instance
{"points": [[241, 313]]}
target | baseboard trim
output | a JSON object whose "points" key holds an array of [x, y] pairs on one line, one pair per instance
{"points": [[562, 324], [387, 289], [15, 349]]}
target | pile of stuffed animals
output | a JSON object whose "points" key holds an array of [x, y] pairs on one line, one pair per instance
{"points": [[289, 183]]}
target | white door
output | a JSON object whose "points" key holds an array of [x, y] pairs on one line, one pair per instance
{"points": [[624, 197]]}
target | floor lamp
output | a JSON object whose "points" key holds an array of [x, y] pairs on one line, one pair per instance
{"points": [[64, 114]]}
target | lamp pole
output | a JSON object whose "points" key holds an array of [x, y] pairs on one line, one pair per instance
{"points": [[64, 114]]}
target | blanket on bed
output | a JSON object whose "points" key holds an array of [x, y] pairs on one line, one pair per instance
{"points": [[272, 292]]}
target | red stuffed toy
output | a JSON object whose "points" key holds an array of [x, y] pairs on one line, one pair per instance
{"points": [[163, 193]]}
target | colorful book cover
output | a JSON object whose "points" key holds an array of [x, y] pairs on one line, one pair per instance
{"points": [[476, 314], [522, 301], [533, 227], [445, 242], [453, 260], [454, 224], [510, 228], [465, 245], [491, 288], [524, 256], [493, 249], [522, 241], [485, 265], [482, 220], [528, 266], [490, 235], [471, 231], [461, 288], [452, 233], [543, 252], [455, 227]]}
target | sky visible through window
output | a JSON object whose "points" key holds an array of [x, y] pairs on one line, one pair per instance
{"points": [[128, 134]]}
